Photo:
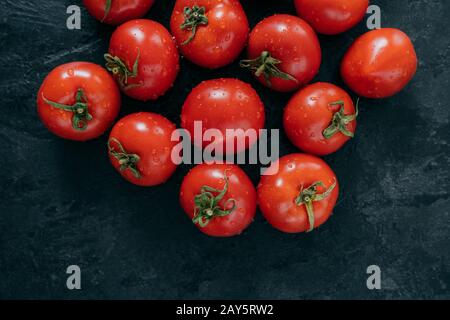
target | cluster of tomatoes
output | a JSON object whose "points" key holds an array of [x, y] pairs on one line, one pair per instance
{"points": [[81, 100]]}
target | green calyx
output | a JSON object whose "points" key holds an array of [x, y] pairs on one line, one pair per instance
{"points": [[309, 195], [107, 9], [340, 121], [193, 18], [127, 161], [266, 65], [81, 115], [117, 67], [207, 205]]}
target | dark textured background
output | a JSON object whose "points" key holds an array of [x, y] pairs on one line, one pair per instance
{"points": [[61, 202]]}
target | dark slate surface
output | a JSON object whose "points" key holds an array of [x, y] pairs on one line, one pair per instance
{"points": [[61, 203]]}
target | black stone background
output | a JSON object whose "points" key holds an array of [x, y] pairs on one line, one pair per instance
{"points": [[62, 203]]}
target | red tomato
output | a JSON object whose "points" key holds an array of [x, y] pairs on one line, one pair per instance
{"points": [[380, 63], [224, 104], [210, 33], [300, 196], [284, 52], [219, 198], [140, 148], [115, 12], [320, 118], [144, 59], [78, 101], [332, 16]]}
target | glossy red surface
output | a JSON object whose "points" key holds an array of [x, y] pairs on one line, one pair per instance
{"points": [[380, 63], [153, 46], [147, 135], [277, 192], [310, 112], [223, 104], [121, 10], [240, 188], [61, 86], [332, 16], [292, 41], [218, 43]]}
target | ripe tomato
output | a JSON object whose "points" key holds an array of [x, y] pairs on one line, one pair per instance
{"points": [[210, 33], [300, 196], [115, 12], [284, 52], [332, 16], [380, 63], [78, 101], [219, 198], [143, 58], [223, 104], [140, 148], [320, 118]]}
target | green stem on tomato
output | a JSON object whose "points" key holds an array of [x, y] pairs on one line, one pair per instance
{"points": [[266, 65], [340, 121], [126, 160], [309, 195], [107, 9], [193, 18], [207, 205], [117, 67], [81, 115]]}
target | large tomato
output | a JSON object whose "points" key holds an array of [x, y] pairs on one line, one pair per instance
{"points": [[380, 63], [332, 16], [219, 198], [78, 101], [320, 118], [210, 33], [140, 148], [223, 104], [143, 58], [300, 194], [284, 52], [116, 12]]}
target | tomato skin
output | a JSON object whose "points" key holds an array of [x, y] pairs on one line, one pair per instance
{"points": [[332, 17], [309, 113], [149, 136], [224, 104], [292, 41], [153, 46], [380, 63], [240, 188], [277, 193], [61, 86], [218, 43], [121, 10]]}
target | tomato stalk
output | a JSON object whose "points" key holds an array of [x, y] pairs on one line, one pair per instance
{"points": [[107, 9], [340, 121], [309, 195], [266, 65], [81, 115], [193, 18], [206, 204], [115, 65], [126, 160]]}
